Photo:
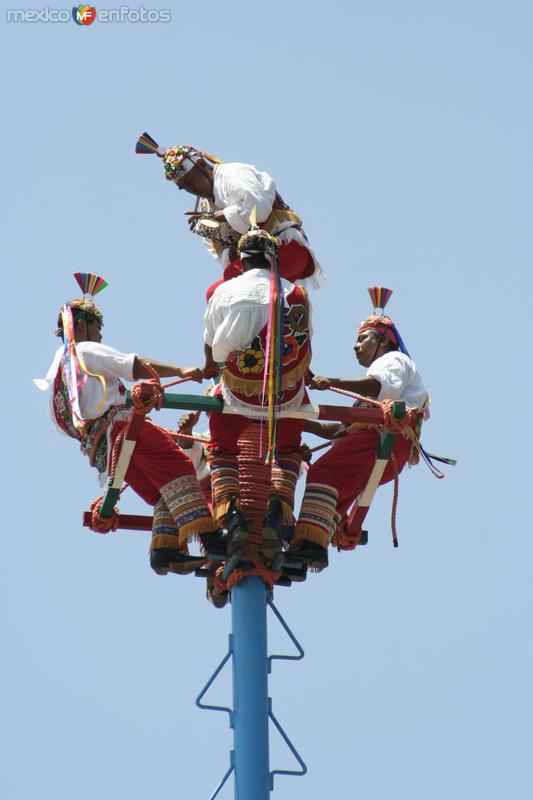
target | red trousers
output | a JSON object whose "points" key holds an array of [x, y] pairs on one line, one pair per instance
{"points": [[225, 430], [157, 460], [336, 480], [347, 465]]}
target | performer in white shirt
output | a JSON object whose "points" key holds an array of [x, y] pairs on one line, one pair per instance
{"points": [[336, 479], [87, 404], [229, 192], [236, 327]]}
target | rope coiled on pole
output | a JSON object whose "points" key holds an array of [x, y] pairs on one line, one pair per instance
{"points": [[235, 577]]}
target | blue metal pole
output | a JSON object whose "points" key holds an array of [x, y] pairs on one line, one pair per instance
{"points": [[250, 689]]}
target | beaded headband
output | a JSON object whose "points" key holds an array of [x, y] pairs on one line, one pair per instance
{"points": [[177, 160]]}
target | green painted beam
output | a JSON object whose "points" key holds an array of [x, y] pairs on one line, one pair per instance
{"points": [[387, 439], [109, 502], [190, 402]]}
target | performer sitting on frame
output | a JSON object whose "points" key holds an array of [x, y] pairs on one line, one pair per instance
{"points": [[336, 479], [242, 325], [87, 404]]}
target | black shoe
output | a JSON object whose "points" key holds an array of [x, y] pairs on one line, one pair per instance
{"points": [[287, 532], [295, 573], [273, 529], [213, 543], [237, 529], [218, 598], [312, 553], [166, 559]]}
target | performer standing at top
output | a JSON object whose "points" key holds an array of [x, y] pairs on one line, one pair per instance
{"points": [[228, 194], [87, 404], [336, 479], [243, 323]]}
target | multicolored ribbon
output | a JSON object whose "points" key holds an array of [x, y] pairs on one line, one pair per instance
{"points": [[76, 371], [273, 372]]}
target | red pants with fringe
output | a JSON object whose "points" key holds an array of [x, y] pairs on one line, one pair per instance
{"points": [[337, 478], [225, 431], [156, 461], [347, 465], [165, 478]]}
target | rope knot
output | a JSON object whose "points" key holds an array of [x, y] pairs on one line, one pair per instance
{"points": [[342, 539], [259, 569], [101, 524], [147, 395], [394, 425]]}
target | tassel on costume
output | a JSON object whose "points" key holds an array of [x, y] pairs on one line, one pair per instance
{"points": [[379, 296], [90, 283], [186, 503], [317, 520], [285, 473], [224, 482], [146, 145], [164, 530]]}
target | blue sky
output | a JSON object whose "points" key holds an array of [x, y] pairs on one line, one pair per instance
{"points": [[401, 132]]}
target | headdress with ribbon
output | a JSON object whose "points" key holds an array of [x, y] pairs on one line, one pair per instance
{"points": [[177, 160], [380, 296], [259, 242], [84, 307], [76, 371]]}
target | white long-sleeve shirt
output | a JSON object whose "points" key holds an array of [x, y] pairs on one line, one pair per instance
{"points": [[101, 359], [399, 379], [237, 188], [238, 311]]}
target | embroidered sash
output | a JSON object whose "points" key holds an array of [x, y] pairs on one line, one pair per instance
{"points": [[244, 374]]}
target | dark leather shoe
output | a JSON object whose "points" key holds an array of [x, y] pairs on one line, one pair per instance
{"points": [[273, 530], [237, 529], [312, 553], [295, 573], [166, 559], [218, 598], [214, 543]]}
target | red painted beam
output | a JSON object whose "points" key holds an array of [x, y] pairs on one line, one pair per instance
{"points": [[128, 522], [350, 414]]}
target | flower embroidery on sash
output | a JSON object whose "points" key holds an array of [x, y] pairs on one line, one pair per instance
{"points": [[291, 348], [297, 318], [252, 360]]}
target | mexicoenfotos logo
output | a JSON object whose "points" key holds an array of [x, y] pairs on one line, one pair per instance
{"points": [[83, 15]]}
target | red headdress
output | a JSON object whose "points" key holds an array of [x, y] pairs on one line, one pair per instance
{"points": [[380, 296]]}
